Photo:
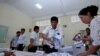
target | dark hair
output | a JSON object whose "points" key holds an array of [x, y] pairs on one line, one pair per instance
{"points": [[88, 31], [93, 10], [87, 28], [22, 29], [36, 27], [18, 32], [54, 18]]}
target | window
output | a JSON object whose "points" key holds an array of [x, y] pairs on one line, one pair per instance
{"points": [[75, 19], [44, 23]]}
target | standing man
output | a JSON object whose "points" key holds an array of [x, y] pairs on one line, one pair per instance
{"points": [[52, 36], [22, 40], [13, 43], [34, 40]]}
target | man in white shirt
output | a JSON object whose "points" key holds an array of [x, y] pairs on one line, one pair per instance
{"points": [[13, 43], [22, 40], [52, 36], [34, 40]]}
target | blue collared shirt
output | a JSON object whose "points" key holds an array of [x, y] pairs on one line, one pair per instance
{"points": [[14, 41]]}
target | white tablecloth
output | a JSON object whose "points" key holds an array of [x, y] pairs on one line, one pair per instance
{"points": [[22, 53], [40, 53], [59, 54], [1, 54]]}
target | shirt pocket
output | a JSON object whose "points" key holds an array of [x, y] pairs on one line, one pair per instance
{"points": [[51, 33]]}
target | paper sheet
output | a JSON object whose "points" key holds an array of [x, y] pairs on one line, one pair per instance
{"points": [[59, 54]]}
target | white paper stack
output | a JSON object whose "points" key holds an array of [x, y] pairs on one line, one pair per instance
{"points": [[59, 54], [20, 53], [4, 49], [39, 53], [66, 49], [1, 54]]}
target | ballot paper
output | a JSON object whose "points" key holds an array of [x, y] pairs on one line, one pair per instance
{"points": [[66, 49], [40, 41], [22, 53], [39, 53], [59, 54], [58, 36], [78, 48], [1, 54], [4, 49], [78, 43]]}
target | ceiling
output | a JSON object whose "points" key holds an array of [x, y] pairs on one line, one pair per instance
{"points": [[50, 7]]}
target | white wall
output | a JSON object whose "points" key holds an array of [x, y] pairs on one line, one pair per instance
{"points": [[15, 20], [71, 29]]}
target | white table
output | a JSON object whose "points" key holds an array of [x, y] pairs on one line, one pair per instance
{"points": [[22, 53], [1, 54], [39, 53]]}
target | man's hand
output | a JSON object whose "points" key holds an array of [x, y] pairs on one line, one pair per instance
{"points": [[10, 46], [45, 37], [52, 43], [6, 53], [92, 49], [49, 39], [30, 45]]}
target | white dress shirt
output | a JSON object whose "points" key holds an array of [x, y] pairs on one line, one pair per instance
{"points": [[55, 34], [95, 30], [22, 39], [36, 37]]}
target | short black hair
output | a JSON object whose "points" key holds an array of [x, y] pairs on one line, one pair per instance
{"points": [[92, 9], [22, 29], [54, 18], [87, 28], [18, 32], [36, 27]]}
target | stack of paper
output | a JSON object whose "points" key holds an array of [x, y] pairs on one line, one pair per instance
{"points": [[20, 53], [59, 54], [66, 49], [1, 54]]}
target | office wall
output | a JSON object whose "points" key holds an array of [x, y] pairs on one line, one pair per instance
{"points": [[15, 20], [71, 29]]}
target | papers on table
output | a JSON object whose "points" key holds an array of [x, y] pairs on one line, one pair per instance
{"points": [[20, 53], [66, 49], [59, 54], [4, 49], [78, 43], [58, 37], [1, 54], [40, 53]]}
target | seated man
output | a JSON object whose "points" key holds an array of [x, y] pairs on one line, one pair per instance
{"points": [[78, 40], [87, 39]]}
